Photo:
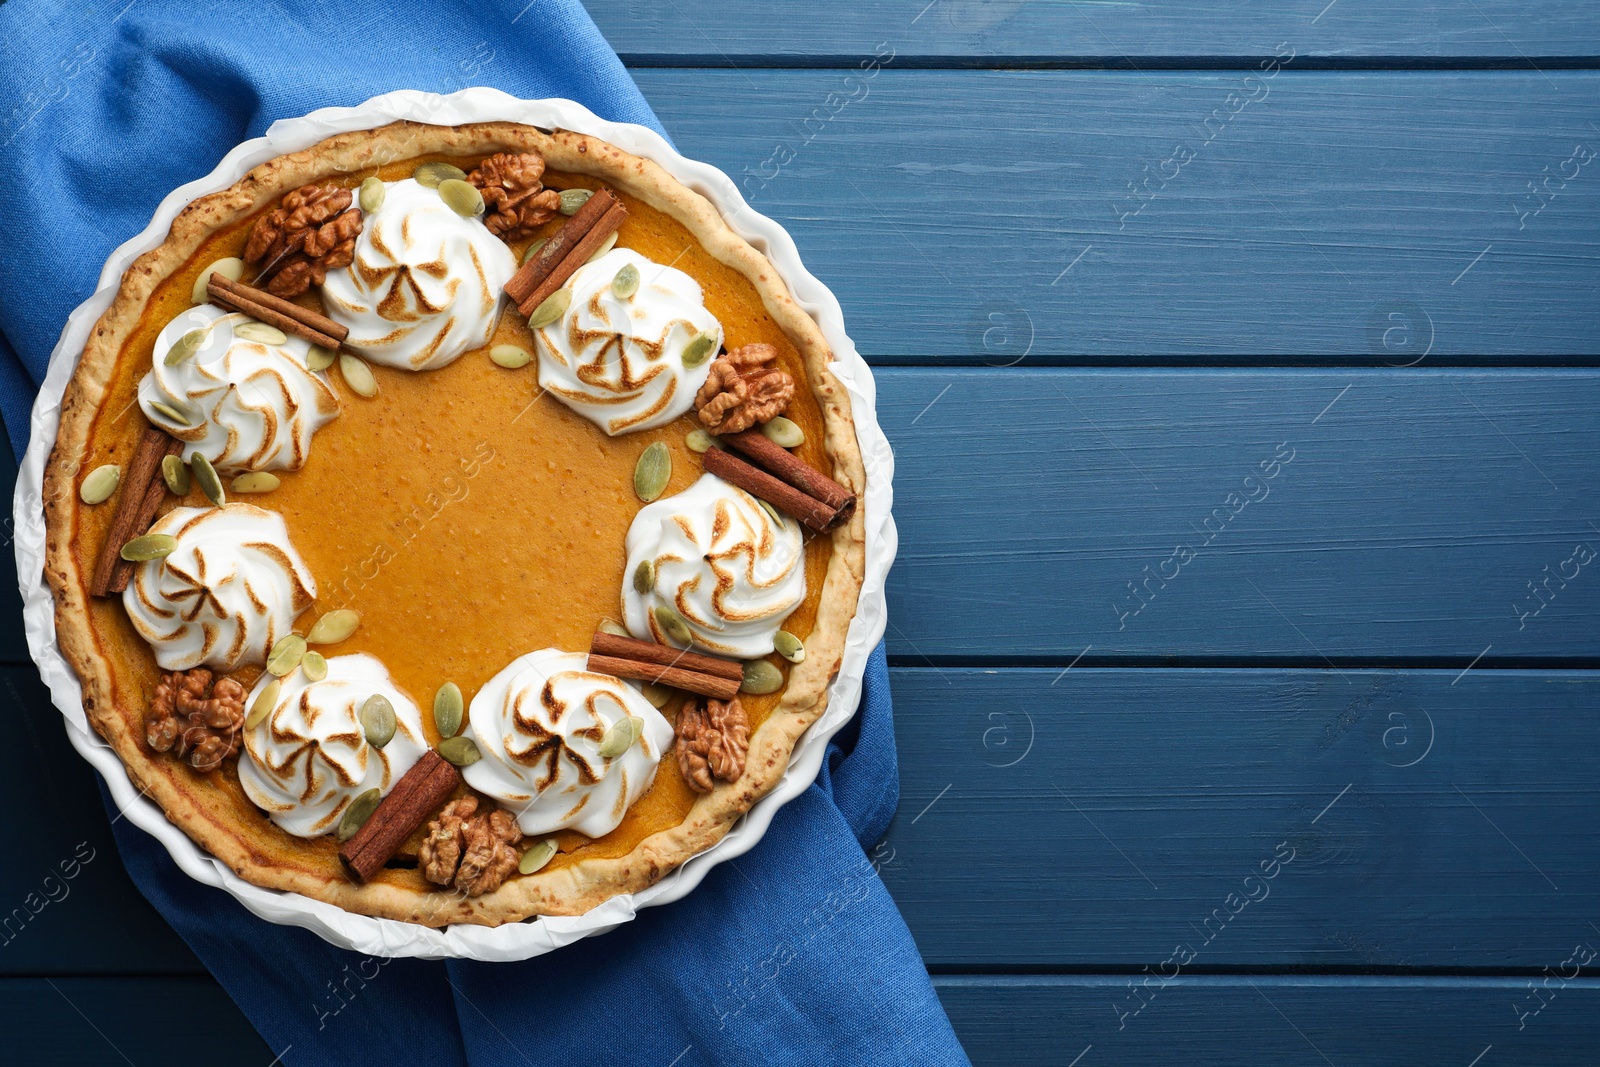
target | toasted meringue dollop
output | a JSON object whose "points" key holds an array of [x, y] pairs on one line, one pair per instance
{"points": [[618, 361], [247, 405], [539, 724], [224, 597], [309, 758], [425, 283], [722, 561]]}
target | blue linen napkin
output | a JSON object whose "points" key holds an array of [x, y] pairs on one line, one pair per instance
{"points": [[792, 953]]}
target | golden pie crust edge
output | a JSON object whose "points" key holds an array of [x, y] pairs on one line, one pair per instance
{"points": [[580, 886]]}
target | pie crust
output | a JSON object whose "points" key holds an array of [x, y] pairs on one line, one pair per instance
{"points": [[579, 885]]}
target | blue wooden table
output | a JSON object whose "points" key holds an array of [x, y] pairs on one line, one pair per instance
{"points": [[1241, 369]]}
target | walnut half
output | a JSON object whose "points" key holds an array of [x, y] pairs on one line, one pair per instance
{"points": [[744, 388], [311, 232], [713, 737], [517, 201], [199, 721], [475, 851]]}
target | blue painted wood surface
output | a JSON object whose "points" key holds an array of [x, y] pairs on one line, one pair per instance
{"points": [[990, 33], [987, 217], [1295, 689]]}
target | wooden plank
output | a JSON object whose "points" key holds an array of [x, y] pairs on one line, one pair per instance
{"points": [[1098, 819], [995, 217], [135, 1020], [1040, 514], [1004, 32], [1009, 1021], [1282, 1020]]}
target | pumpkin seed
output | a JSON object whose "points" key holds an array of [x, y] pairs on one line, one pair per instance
{"points": [[448, 709], [371, 196], [432, 175], [541, 853], [621, 736], [651, 473], [626, 282], [461, 197], [783, 433], [357, 375], [186, 346], [533, 249], [148, 547], [761, 677], [357, 813], [101, 483], [644, 576], [320, 358], [789, 646], [614, 628], [315, 666], [286, 655], [176, 474], [773, 513], [264, 703], [378, 720], [333, 627], [255, 482], [700, 441], [552, 308], [605, 246], [673, 626], [573, 199], [206, 476], [462, 751], [231, 268], [260, 331], [698, 350], [172, 413], [511, 357], [657, 695]]}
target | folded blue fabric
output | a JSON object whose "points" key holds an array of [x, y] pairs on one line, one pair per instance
{"points": [[792, 953]]}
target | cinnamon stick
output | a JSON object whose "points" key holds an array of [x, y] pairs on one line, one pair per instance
{"points": [[417, 795], [815, 514], [533, 273], [786, 466], [678, 678], [286, 315], [141, 493], [649, 652], [587, 246]]}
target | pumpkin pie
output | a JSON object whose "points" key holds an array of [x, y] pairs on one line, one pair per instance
{"points": [[454, 524]]}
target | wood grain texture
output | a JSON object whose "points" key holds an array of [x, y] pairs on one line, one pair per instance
{"points": [[1002, 1021], [1362, 820], [137, 1020], [1282, 1020], [1002, 32], [996, 217], [1414, 510]]}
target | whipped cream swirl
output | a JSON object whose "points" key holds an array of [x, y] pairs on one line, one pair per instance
{"points": [[722, 561], [425, 283], [224, 597], [539, 723], [618, 361], [247, 405], [308, 759]]}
